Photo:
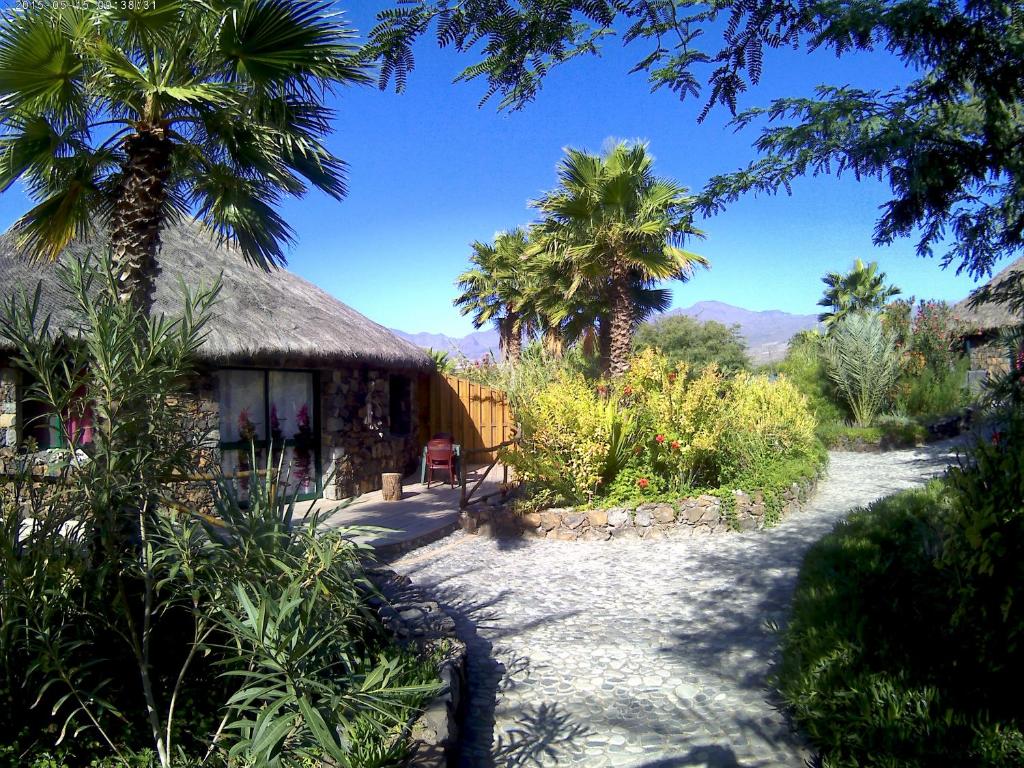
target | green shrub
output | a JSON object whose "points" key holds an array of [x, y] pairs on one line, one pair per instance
{"points": [[565, 432], [659, 432], [904, 644], [764, 421], [804, 366], [934, 392]]}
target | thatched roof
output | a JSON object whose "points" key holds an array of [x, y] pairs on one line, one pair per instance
{"points": [[992, 315], [261, 318]]}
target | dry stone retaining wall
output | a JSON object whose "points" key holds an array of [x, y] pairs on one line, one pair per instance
{"points": [[415, 620], [696, 516]]}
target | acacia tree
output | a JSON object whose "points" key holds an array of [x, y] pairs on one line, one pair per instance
{"points": [[492, 290], [122, 119], [615, 226], [950, 144], [861, 289]]}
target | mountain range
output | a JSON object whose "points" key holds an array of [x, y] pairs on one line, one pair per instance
{"points": [[767, 333]]}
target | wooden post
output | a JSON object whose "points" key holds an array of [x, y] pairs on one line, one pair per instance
{"points": [[391, 486]]}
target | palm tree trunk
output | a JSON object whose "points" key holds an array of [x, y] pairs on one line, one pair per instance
{"points": [[604, 343], [554, 344], [514, 343], [139, 215], [621, 325]]}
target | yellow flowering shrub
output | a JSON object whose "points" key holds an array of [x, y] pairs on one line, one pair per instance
{"points": [[765, 420], [659, 432], [565, 436]]}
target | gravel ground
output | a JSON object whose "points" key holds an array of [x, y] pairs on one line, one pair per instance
{"points": [[639, 653]]}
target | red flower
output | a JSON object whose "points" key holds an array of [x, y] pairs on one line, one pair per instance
{"points": [[643, 482], [672, 376], [627, 390], [659, 438], [675, 445]]}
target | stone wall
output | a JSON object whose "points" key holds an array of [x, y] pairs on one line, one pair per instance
{"points": [[8, 416], [200, 416], [422, 623], [989, 356], [357, 439], [696, 516]]}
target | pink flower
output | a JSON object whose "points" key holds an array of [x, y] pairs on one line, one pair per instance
{"points": [[659, 439], [675, 445]]}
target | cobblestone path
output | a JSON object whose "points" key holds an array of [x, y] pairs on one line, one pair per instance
{"points": [[651, 654]]}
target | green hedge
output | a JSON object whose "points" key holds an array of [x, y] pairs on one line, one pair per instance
{"points": [[878, 668]]}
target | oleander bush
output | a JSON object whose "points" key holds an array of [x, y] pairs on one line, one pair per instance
{"points": [[660, 432], [904, 646], [138, 631]]}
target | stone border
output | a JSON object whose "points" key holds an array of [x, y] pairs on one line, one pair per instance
{"points": [[950, 427], [421, 623], [696, 516]]}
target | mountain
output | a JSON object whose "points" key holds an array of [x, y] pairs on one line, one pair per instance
{"points": [[767, 333], [473, 346]]}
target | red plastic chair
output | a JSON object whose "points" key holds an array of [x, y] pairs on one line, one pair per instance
{"points": [[440, 455]]}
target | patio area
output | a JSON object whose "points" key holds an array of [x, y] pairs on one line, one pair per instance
{"points": [[422, 515]]}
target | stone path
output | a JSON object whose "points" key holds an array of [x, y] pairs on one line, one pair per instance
{"points": [[650, 654]]}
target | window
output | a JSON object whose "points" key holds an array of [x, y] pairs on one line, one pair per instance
{"points": [[400, 405], [273, 410], [50, 430]]}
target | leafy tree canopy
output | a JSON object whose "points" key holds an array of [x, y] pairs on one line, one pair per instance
{"points": [[683, 339], [949, 144]]}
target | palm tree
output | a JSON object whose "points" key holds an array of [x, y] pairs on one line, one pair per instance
{"points": [[493, 288], [120, 120], [568, 312], [861, 289], [616, 228]]}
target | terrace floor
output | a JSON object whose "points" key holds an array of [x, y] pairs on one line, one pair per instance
{"points": [[422, 515]]}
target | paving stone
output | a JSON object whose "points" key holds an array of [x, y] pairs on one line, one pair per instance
{"points": [[637, 652]]}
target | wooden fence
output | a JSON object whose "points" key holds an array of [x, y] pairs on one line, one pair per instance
{"points": [[476, 416]]}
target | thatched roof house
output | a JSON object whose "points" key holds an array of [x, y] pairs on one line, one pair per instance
{"points": [[287, 365], [260, 317], [991, 315], [986, 320]]}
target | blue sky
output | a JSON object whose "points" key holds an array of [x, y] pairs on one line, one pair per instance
{"points": [[430, 172]]}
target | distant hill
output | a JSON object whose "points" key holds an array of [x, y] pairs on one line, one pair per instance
{"points": [[767, 333], [474, 345]]}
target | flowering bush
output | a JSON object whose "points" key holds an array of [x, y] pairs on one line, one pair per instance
{"points": [[764, 420], [658, 432]]}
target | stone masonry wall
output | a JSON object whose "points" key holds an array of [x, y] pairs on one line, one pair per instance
{"points": [[989, 356], [8, 414], [201, 428], [357, 448], [697, 516]]}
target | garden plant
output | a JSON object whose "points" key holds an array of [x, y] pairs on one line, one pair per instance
{"points": [[660, 433], [138, 629]]}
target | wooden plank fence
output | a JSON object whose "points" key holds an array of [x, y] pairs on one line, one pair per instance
{"points": [[476, 416]]}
